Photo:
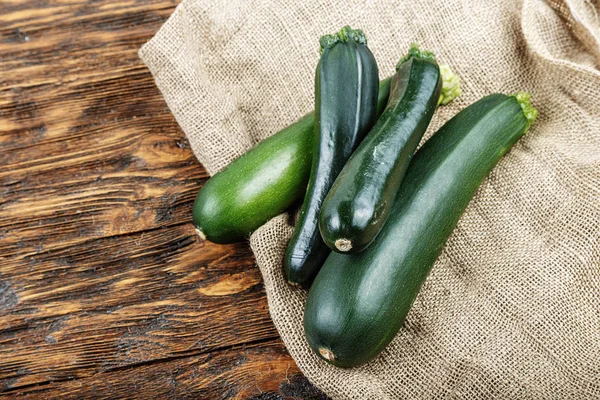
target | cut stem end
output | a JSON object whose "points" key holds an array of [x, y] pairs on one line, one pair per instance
{"points": [[416, 52], [529, 110], [343, 36], [450, 85], [200, 234], [343, 245], [326, 354]]}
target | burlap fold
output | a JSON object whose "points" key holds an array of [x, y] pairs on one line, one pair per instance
{"points": [[512, 306]]}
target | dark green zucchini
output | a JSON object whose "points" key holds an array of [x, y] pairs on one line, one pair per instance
{"points": [[359, 202], [262, 183], [345, 109], [358, 302]]}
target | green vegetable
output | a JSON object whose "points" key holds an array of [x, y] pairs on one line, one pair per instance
{"points": [[358, 302], [359, 201], [256, 187], [346, 86], [262, 183]]}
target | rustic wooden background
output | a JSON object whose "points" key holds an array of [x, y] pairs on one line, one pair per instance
{"points": [[105, 291]]}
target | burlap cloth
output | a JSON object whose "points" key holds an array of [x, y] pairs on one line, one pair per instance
{"points": [[512, 306]]}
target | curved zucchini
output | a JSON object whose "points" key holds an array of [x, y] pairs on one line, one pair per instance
{"points": [[359, 202], [358, 302], [262, 183], [345, 109], [256, 187]]}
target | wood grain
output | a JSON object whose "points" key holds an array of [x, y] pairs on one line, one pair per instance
{"points": [[105, 291], [259, 371]]}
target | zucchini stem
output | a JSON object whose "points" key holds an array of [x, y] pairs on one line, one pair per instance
{"points": [[415, 52], [529, 110], [344, 245], [450, 81], [450, 85], [343, 36], [201, 234], [326, 354]]}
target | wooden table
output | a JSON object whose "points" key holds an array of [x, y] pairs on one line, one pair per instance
{"points": [[105, 291]]}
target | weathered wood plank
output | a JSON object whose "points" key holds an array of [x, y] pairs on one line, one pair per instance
{"points": [[82, 145], [103, 284], [148, 296], [257, 371]]}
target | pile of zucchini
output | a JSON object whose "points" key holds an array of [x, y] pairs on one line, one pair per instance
{"points": [[376, 214]]}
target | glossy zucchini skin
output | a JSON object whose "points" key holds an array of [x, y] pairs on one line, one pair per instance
{"points": [[262, 183], [358, 302], [256, 187], [346, 90], [359, 202]]}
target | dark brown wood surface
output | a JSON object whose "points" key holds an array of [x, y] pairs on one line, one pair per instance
{"points": [[105, 291]]}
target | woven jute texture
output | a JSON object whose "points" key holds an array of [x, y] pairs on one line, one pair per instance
{"points": [[511, 309]]}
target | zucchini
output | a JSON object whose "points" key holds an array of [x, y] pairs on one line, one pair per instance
{"points": [[358, 302], [345, 109], [359, 202], [262, 183], [256, 187]]}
